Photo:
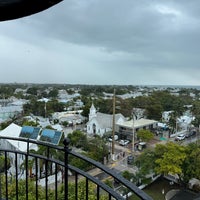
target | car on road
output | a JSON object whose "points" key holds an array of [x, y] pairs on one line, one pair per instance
{"points": [[180, 137], [130, 159], [190, 134], [124, 142]]}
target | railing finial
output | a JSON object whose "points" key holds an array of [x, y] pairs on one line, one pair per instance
{"points": [[66, 142]]}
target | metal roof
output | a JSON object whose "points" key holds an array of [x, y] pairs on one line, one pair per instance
{"points": [[137, 123]]}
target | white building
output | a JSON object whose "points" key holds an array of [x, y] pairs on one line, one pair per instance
{"points": [[125, 129], [14, 130], [72, 118], [166, 115], [100, 123], [10, 108]]}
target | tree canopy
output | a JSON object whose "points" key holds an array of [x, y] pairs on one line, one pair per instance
{"points": [[171, 158], [145, 135]]}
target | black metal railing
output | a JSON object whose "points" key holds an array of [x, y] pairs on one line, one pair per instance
{"points": [[48, 174]]}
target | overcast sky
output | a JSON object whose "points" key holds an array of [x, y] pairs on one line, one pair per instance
{"points": [[135, 42]]}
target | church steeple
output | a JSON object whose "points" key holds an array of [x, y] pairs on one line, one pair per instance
{"points": [[93, 112]]}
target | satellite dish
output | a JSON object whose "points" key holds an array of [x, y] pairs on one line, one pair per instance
{"points": [[13, 9]]}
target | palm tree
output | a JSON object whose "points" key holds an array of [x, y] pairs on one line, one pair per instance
{"points": [[29, 167]]}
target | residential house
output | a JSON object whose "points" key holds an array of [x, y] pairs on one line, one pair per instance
{"points": [[14, 130], [72, 118]]}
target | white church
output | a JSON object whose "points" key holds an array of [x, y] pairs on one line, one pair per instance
{"points": [[100, 123]]}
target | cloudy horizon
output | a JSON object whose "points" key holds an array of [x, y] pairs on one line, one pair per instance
{"points": [[104, 43]]}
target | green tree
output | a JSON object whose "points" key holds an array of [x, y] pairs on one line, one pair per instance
{"points": [[47, 152], [127, 175], [196, 113], [191, 164], [173, 122], [5, 124], [154, 111], [21, 188], [2, 163], [79, 163], [196, 121], [82, 191], [86, 109], [53, 93], [30, 123], [54, 106], [6, 91], [38, 107], [145, 135], [29, 167], [146, 162], [170, 162], [78, 139], [32, 91], [97, 149]]}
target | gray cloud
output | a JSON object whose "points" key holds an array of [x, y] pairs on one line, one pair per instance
{"points": [[104, 42]]}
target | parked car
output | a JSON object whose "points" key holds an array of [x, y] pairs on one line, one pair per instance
{"points": [[124, 142], [141, 145], [130, 159], [190, 134], [115, 138], [180, 137]]}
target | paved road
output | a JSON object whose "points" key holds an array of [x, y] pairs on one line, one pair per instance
{"points": [[191, 139]]}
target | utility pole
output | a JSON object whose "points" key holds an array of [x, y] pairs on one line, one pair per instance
{"points": [[133, 140], [45, 109], [113, 128]]}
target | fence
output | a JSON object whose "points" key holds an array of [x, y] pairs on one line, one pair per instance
{"points": [[48, 174]]}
